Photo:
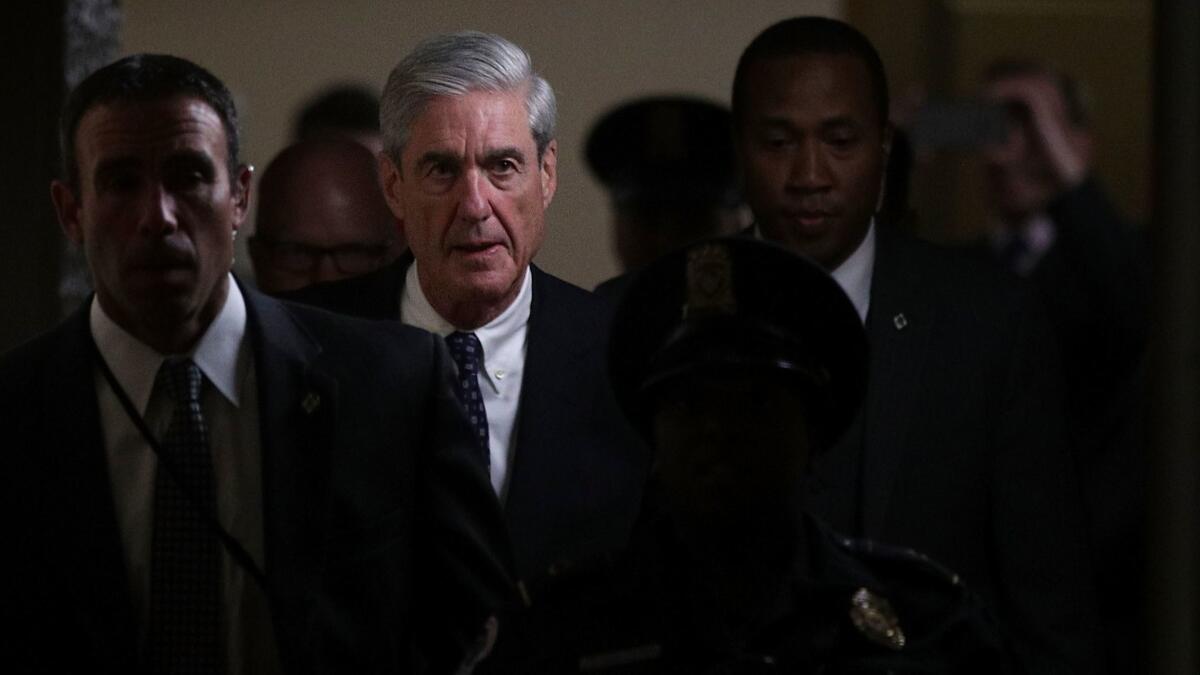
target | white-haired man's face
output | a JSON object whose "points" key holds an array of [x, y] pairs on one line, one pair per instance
{"points": [[471, 194]]}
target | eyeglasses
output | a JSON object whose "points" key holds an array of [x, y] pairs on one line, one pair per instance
{"points": [[299, 258]]}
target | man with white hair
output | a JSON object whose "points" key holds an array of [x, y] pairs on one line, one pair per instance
{"points": [[469, 167]]}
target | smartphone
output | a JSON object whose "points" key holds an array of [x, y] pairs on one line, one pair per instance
{"points": [[962, 123]]}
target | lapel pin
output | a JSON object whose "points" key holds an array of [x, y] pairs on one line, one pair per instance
{"points": [[311, 402], [900, 321]]}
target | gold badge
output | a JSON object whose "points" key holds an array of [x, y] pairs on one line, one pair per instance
{"points": [[709, 281], [874, 617]]}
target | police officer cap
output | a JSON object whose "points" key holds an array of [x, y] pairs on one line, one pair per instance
{"points": [[739, 304], [663, 150]]}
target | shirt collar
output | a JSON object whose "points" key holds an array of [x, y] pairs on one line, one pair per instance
{"points": [[135, 364], [502, 338], [854, 274], [416, 310]]}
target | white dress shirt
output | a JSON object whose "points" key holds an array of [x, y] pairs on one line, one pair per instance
{"points": [[855, 273], [504, 341], [229, 402]]}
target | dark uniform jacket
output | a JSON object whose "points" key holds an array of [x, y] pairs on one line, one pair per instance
{"points": [[959, 449], [576, 476], [381, 534], [853, 607]]}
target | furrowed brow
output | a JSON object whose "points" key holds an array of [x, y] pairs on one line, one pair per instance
{"points": [[434, 157], [514, 153]]}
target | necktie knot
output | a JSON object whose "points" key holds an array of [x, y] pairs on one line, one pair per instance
{"points": [[182, 379], [466, 351]]}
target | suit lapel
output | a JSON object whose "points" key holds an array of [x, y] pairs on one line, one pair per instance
{"points": [[83, 497], [898, 328], [554, 350], [297, 406]]}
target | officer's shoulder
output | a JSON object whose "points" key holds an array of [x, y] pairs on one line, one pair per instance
{"points": [[901, 564], [923, 593]]}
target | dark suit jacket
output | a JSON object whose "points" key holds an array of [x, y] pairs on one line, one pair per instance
{"points": [[1094, 281], [959, 449], [381, 534], [575, 482]]}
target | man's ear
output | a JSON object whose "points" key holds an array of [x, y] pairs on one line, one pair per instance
{"points": [[241, 194], [390, 181], [66, 207], [549, 172]]}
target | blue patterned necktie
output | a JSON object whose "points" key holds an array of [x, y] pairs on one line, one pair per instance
{"points": [[468, 355], [183, 633]]}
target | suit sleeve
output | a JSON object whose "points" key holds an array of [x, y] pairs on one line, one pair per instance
{"points": [[464, 553], [1099, 300], [1039, 535]]}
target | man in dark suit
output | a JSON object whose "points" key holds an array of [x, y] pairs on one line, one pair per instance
{"points": [[958, 449], [469, 167], [1055, 225], [202, 479]]}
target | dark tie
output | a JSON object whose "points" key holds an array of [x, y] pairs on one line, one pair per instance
{"points": [[183, 635], [468, 355], [1013, 253]]}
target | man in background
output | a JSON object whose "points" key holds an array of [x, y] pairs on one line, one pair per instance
{"points": [[958, 451], [667, 164], [1055, 225], [321, 217]]}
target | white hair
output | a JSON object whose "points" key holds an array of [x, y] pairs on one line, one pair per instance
{"points": [[456, 64]]}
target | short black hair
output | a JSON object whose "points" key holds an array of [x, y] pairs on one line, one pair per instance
{"points": [[143, 78], [804, 36], [347, 107]]}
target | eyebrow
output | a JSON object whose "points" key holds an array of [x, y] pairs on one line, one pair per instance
{"points": [[115, 165], [188, 156], [839, 122], [512, 152], [437, 157]]}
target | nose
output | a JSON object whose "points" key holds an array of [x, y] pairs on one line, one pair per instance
{"points": [[475, 204], [159, 211], [809, 171]]}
